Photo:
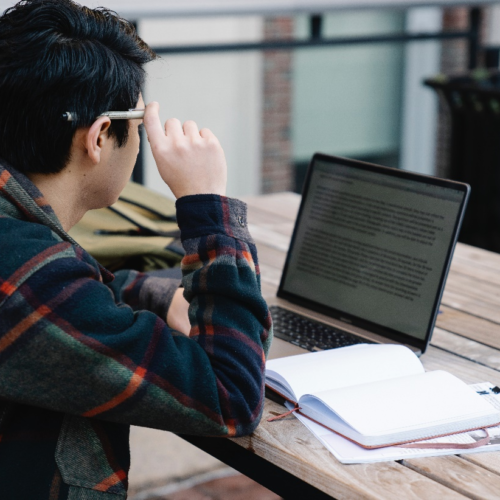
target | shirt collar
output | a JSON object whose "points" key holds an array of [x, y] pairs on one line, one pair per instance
{"points": [[30, 204]]}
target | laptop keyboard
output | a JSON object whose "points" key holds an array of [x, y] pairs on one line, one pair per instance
{"points": [[309, 334]]}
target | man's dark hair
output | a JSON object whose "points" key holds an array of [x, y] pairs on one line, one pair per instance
{"points": [[58, 56]]}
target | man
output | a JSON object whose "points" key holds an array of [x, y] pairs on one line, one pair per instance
{"points": [[80, 356]]}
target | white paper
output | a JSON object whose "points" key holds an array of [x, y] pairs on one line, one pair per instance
{"points": [[349, 453], [343, 367], [404, 404]]}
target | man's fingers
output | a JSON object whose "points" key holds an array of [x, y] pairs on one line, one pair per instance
{"points": [[191, 129], [188, 160], [207, 133], [173, 128], [152, 124]]}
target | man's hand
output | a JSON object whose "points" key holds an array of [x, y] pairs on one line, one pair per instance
{"points": [[177, 315], [189, 160]]}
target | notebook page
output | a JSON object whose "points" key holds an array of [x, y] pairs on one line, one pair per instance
{"points": [[348, 452], [404, 404], [343, 367]]}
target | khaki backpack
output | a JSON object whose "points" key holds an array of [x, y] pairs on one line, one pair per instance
{"points": [[138, 232]]}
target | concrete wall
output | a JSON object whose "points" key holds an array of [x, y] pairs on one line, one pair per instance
{"points": [[420, 105], [220, 91], [347, 99]]}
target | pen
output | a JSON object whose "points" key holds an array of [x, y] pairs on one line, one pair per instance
{"points": [[131, 114]]}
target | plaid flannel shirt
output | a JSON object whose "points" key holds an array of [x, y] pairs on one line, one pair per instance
{"points": [[81, 358]]}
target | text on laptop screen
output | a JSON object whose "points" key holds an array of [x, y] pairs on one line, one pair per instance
{"points": [[373, 245]]}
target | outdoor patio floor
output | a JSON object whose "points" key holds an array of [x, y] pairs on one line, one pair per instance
{"points": [[165, 467]]}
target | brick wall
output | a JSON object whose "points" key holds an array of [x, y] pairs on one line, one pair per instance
{"points": [[454, 60], [277, 161], [277, 168]]}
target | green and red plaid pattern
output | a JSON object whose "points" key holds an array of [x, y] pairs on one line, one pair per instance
{"points": [[81, 358]]}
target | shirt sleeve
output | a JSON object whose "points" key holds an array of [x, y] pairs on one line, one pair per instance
{"points": [[66, 345], [143, 291]]}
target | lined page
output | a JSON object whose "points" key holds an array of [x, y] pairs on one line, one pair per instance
{"points": [[344, 367]]}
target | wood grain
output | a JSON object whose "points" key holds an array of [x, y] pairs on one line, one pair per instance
{"points": [[259, 215], [284, 204], [461, 266], [469, 326], [463, 302], [271, 221], [268, 290], [466, 342], [483, 291], [478, 256], [288, 444], [489, 461], [269, 274], [466, 348], [269, 237], [468, 371], [460, 475], [271, 256]]}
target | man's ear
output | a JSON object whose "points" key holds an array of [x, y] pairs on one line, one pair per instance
{"points": [[96, 137]]}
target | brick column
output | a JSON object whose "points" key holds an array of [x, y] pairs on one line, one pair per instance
{"points": [[454, 61], [277, 168]]}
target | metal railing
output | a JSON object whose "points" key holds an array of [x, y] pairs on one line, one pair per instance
{"points": [[316, 40]]}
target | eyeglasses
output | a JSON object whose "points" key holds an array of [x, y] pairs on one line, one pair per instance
{"points": [[131, 114]]}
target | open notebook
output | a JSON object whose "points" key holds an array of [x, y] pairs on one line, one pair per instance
{"points": [[378, 395]]}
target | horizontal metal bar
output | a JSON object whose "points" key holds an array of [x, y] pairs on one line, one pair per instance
{"points": [[131, 9], [311, 43]]}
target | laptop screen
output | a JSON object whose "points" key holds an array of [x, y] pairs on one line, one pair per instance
{"points": [[374, 243]]}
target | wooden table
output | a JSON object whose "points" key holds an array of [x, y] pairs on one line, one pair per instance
{"points": [[289, 460]]}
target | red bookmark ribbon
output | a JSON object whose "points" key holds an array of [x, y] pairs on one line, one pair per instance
{"points": [[283, 415]]}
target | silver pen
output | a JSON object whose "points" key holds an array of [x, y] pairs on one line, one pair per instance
{"points": [[131, 114]]}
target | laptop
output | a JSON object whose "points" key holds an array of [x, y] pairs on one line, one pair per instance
{"points": [[368, 259]]}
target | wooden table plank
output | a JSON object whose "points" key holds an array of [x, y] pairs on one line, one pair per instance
{"points": [[489, 461], [273, 446], [270, 256], [262, 218], [472, 327], [468, 371], [269, 274], [284, 204], [460, 475], [268, 290], [288, 444], [477, 257], [269, 237], [459, 300], [488, 274], [465, 343], [466, 348], [259, 215], [488, 293]]}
